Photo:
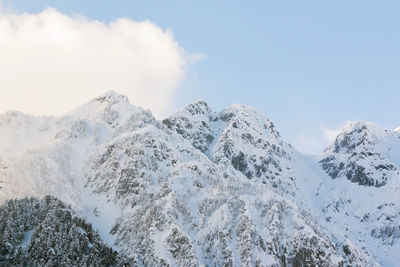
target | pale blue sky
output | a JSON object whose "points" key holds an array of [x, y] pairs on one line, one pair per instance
{"points": [[304, 63]]}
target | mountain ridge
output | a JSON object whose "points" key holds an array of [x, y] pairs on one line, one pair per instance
{"points": [[197, 179]]}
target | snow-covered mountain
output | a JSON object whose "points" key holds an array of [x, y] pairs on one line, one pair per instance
{"points": [[364, 195], [240, 138], [209, 188], [364, 154]]}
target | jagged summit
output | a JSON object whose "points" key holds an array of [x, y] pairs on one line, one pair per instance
{"points": [[239, 137], [248, 115], [111, 96], [204, 127], [199, 107], [198, 117], [357, 134], [360, 154], [110, 107], [361, 124]]}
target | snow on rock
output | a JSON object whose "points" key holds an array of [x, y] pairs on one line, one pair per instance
{"points": [[181, 209], [202, 187], [194, 124], [47, 153], [361, 153], [241, 138], [363, 199]]}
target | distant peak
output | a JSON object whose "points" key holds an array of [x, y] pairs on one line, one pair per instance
{"points": [[109, 106], [366, 124], [244, 108], [198, 107], [357, 134], [200, 102], [248, 116], [245, 111], [358, 127], [361, 124], [112, 97], [397, 130]]}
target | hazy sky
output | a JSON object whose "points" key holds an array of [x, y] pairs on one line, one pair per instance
{"points": [[309, 65]]}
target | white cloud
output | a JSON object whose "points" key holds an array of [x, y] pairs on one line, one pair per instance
{"points": [[314, 142], [51, 62], [309, 144], [330, 134]]}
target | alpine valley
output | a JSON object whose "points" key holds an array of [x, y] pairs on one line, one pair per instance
{"points": [[109, 185]]}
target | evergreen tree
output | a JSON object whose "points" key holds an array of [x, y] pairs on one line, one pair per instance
{"points": [[59, 237]]}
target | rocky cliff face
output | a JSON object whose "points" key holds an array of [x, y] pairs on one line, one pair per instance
{"points": [[202, 187]]}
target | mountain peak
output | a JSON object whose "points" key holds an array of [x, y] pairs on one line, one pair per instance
{"points": [[359, 127], [199, 107], [240, 110], [112, 97], [360, 154], [250, 116], [357, 134], [110, 107]]}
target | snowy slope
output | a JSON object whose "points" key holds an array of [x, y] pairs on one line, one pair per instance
{"points": [[240, 138], [235, 142], [43, 154], [200, 187], [180, 208], [364, 195], [46, 155]]}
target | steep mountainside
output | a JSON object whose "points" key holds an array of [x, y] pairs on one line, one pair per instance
{"points": [[364, 197], [181, 208], [240, 138], [204, 188]]}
